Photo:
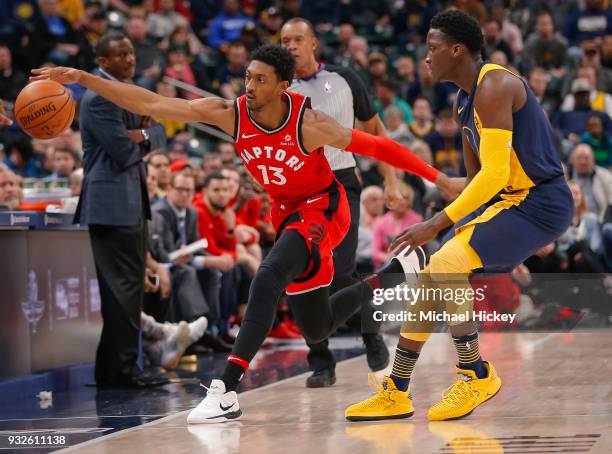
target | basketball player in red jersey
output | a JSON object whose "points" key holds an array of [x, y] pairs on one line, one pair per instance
{"points": [[280, 140]]}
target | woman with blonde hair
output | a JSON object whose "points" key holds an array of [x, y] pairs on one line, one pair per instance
{"points": [[582, 242]]}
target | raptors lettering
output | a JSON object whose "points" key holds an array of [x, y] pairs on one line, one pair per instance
{"points": [[268, 153]]}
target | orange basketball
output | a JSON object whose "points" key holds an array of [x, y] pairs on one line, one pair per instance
{"points": [[44, 109]]}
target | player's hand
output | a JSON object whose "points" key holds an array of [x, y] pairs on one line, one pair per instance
{"points": [[451, 187], [414, 236], [59, 74], [393, 195], [4, 118]]}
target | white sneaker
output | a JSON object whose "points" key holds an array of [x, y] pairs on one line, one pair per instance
{"points": [[173, 347], [412, 263], [197, 328], [217, 406]]}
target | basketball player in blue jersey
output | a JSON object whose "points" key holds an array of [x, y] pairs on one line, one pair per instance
{"points": [[515, 202]]}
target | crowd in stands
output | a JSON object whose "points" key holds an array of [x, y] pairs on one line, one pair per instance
{"points": [[562, 50]]}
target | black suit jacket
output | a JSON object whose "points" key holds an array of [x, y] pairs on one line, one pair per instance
{"points": [[171, 237], [114, 190]]}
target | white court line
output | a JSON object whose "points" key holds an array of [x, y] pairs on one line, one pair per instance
{"points": [[78, 447]]}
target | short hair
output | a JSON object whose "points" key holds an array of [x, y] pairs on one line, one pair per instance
{"points": [[220, 144], [182, 173], [103, 47], [537, 70], [543, 12], [211, 156], [389, 84], [369, 191], [303, 20], [66, 149], [421, 98], [393, 110], [150, 156], [445, 113], [213, 176], [237, 43], [279, 58], [460, 28]]}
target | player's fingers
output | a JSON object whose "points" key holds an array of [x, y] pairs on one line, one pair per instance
{"points": [[400, 246], [400, 241]]}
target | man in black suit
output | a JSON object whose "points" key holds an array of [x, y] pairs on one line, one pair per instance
{"points": [[115, 206], [180, 227]]}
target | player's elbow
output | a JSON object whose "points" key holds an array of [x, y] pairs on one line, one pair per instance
{"points": [[342, 137], [497, 179]]}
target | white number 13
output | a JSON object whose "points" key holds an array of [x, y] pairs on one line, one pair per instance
{"points": [[277, 174]]}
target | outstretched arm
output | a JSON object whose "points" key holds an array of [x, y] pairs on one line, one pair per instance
{"points": [[319, 129], [215, 111]]}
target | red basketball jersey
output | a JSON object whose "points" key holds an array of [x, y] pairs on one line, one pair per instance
{"points": [[277, 158]]}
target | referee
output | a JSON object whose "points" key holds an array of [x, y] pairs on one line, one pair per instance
{"points": [[340, 93]]}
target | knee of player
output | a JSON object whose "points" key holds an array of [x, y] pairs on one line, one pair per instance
{"points": [[314, 334], [266, 275], [449, 260]]}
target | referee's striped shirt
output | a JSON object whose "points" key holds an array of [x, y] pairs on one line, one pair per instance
{"points": [[340, 93]]}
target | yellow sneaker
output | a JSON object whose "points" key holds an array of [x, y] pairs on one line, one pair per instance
{"points": [[387, 403], [467, 393]]}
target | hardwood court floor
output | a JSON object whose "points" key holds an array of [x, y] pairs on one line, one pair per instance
{"points": [[556, 397]]}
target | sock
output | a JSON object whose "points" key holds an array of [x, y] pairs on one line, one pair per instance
{"points": [[469, 354], [402, 367], [235, 368]]}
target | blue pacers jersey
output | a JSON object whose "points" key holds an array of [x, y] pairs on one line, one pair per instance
{"points": [[534, 159]]}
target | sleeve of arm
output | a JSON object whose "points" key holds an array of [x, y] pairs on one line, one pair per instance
{"points": [[110, 131], [157, 136], [495, 148], [387, 150]]}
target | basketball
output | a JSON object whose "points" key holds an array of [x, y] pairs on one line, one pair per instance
{"points": [[44, 109]]}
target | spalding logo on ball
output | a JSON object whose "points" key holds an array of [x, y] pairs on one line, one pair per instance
{"points": [[44, 109]]}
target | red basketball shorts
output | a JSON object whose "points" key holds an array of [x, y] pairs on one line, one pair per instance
{"points": [[323, 221]]}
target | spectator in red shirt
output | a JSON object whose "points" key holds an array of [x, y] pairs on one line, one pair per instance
{"points": [[246, 205], [216, 222]]}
